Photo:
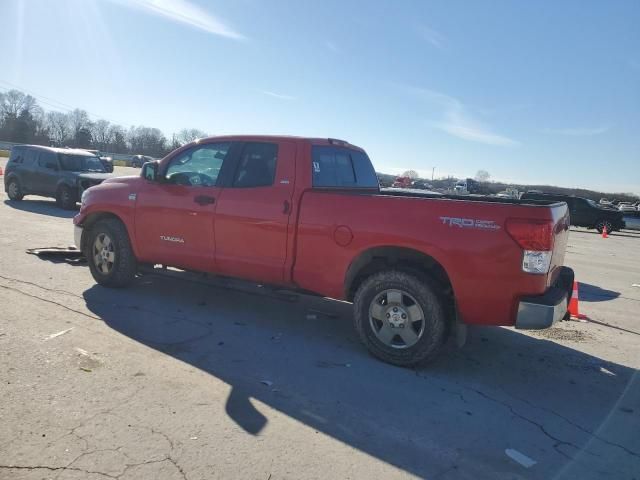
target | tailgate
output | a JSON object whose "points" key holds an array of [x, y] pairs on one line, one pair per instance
{"points": [[561, 222]]}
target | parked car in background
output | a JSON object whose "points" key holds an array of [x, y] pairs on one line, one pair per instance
{"points": [[421, 185], [139, 160], [307, 213], [632, 220], [584, 212], [627, 207], [107, 162], [402, 182], [60, 173]]}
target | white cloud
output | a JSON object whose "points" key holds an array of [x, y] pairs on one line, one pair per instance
{"points": [[458, 121], [578, 132], [279, 96], [432, 36], [185, 12], [332, 46]]}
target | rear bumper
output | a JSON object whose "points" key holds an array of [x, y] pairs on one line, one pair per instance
{"points": [[536, 313]]}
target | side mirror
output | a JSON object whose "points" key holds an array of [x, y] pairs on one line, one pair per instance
{"points": [[150, 171], [51, 166]]}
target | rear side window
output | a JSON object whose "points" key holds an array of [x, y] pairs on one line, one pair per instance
{"points": [[257, 165], [342, 167], [17, 155]]}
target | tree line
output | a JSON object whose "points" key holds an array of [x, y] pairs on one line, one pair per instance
{"points": [[22, 120]]}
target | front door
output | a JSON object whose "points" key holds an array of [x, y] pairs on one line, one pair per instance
{"points": [[253, 213], [175, 215], [46, 173]]}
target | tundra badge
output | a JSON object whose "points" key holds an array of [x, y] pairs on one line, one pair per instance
{"points": [[172, 239]]}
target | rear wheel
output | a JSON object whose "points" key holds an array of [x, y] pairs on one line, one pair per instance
{"points": [[66, 198], [601, 224], [110, 255], [400, 318], [14, 191]]}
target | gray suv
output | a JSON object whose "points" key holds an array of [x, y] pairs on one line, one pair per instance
{"points": [[60, 173]]}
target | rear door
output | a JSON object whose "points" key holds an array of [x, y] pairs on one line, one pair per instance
{"points": [[253, 213], [175, 217], [581, 212]]}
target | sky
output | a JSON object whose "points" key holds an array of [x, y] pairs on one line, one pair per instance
{"points": [[533, 92]]}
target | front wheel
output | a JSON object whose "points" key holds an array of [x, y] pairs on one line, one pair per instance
{"points": [[400, 318], [601, 224], [109, 254], [66, 198]]}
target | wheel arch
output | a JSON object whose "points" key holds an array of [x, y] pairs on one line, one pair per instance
{"points": [[93, 218], [407, 259]]}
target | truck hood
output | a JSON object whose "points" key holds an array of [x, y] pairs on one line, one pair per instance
{"points": [[129, 180]]}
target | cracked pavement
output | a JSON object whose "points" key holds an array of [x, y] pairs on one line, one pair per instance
{"points": [[180, 377]]}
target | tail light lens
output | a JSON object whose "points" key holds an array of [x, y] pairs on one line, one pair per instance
{"points": [[536, 240], [531, 234]]}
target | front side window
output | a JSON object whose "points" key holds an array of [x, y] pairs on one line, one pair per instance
{"points": [[79, 163], [198, 166], [257, 165], [342, 167]]}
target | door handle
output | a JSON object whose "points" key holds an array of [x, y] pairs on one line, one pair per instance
{"points": [[286, 206], [204, 199]]}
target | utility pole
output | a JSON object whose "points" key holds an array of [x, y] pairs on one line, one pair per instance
{"points": [[432, 172]]}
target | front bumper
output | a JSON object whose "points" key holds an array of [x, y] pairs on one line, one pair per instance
{"points": [[536, 313], [77, 236]]}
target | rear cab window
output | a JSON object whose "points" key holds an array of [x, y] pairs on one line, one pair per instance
{"points": [[257, 165], [342, 167]]}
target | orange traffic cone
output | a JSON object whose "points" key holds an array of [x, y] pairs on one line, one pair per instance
{"points": [[573, 309], [605, 234]]}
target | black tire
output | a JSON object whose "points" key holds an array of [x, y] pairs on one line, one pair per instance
{"points": [[122, 270], [66, 198], [424, 294], [14, 191], [600, 224]]}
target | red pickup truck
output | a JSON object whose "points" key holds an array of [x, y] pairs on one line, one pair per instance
{"points": [[308, 214]]}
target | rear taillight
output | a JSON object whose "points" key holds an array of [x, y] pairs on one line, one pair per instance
{"points": [[531, 234], [536, 240]]}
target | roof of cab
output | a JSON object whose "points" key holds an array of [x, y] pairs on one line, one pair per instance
{"points": [[276, 138]]}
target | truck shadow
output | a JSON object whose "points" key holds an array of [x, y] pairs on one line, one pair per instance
{"points": [[594, 293], [41, 207], [300, 356]]}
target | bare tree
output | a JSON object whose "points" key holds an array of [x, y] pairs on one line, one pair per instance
{"points": [[188, 135], [14, 103], [80, 128], [101, 134], [482, 176], [412, 174], [59, 127]]}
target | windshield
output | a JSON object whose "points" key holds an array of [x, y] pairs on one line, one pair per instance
{"points": [[80, 163]]}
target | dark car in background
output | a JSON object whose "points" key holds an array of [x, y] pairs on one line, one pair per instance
{"points": [[584, 212], [139, 160], [107, 162], [60, 173]]}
